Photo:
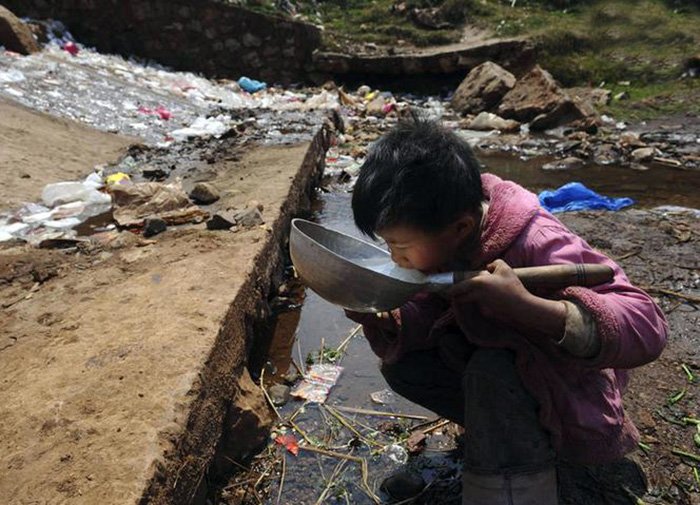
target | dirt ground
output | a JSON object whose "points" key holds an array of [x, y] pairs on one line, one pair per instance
{"points": [[120, 357], [38, 149]]}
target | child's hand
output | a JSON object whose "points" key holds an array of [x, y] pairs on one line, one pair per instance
{"points": [[498, 292]]}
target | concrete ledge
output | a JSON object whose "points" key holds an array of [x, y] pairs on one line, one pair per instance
{"points": [[123, 368], [514, 54]]}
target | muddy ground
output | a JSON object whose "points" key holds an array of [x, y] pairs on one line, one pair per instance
{"points": [[122, 357]]}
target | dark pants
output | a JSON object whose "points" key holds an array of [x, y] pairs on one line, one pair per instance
{"points": [[480, 389]]}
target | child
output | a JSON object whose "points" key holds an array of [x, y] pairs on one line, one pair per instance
{"points": [[535, 378]]}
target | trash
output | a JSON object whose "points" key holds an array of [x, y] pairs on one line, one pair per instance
{"points": [[11, 75], [133, 203], [317, 383], [487, 121], [289, 442], [203, 126], [71, 48], [118, 178], [251, 85], [159, 111], [396, 454], [416, 442], [575, 196], [383, 397], [568, 163]]}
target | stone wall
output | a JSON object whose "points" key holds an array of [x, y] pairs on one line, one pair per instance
{"points": [[207, 36]]}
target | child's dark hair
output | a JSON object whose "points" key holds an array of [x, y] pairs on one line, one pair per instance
{"points": [[419, 174]]}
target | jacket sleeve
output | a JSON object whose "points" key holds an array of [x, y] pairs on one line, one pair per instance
{"points": [[408, 328], [631, 327]]}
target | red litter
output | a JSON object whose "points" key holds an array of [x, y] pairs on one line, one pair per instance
{"points": [[289, 442], [71, 48]]}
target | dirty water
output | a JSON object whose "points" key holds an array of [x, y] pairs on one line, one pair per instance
{"points": [[659, 185]]}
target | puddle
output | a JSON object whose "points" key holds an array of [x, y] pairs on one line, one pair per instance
{"points": [[649, 188]]}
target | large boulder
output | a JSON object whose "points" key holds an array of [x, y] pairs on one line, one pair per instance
{"points": [[15, 35], [537, 99], [482, 89], [535, 93]]}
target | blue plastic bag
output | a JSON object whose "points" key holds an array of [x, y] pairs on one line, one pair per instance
{"points": [[575, 196], [251, 85]]}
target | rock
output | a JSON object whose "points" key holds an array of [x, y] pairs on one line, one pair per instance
{"points": [[606, 154], [153, 227], [692, 66], [403, 485], [482, 89], [15, 35], [643, 154], [279, 394], [204, 193], [431, 19], [568, 110], [249, 218], [224, 220], [255, 204], [489, 121], [536, 98], [564, 164], [598, 97]]}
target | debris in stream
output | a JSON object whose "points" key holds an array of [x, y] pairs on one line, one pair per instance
{"points": [[574, 196], [317, 382]]}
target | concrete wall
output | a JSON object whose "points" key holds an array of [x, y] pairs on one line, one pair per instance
{"points": [[207, 36]]}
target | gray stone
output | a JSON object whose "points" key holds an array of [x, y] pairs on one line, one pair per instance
{"points": [[250, 40], [279, 394], [482, 89], [564, 164], [153, 226], [204, 193], [249, 218], [15, 35], [232, 44], [643, 154], [403, 485], [222, 221]]}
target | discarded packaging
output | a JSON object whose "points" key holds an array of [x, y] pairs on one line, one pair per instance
{"points": [[133, 203], [317, 383], [396, 454], [251, 85], [575, 196]]}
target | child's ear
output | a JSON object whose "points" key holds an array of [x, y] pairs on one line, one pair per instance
{"points": [[466, 225]]}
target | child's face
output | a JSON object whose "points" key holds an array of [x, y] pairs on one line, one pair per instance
{"points": [[428, 252]]}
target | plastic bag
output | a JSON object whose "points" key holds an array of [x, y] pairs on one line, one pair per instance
{"points": [[317, 383], [251, 85], [575, 196]]}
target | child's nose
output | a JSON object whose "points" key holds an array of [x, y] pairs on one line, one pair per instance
{"points": [[400, 260]]}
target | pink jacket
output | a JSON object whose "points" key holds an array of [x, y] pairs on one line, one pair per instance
{"points": [[580, 399]]}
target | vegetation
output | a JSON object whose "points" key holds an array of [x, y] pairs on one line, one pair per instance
{"points": [[637, 46]]}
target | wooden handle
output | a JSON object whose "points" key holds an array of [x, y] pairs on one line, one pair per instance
{"points": [[556, 276]]}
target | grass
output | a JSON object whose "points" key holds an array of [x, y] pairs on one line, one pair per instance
{"points": [[581, 42]]}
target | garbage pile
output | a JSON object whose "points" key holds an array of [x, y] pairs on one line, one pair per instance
{"points": [[133, 97]]}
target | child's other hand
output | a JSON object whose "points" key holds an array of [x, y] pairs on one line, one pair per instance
{"points": [[498, 292]]}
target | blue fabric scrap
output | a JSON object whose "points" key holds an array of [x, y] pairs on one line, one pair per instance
{"points": [[575, 196]]}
